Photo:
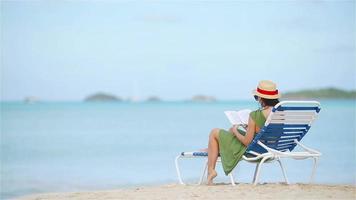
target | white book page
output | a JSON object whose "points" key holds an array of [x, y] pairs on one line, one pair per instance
{"points": [[238, 117]]}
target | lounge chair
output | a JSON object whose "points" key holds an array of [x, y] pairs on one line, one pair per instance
{"points": [[286, 125]]}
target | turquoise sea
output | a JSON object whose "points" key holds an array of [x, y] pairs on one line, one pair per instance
{"points": [[73, 146]]}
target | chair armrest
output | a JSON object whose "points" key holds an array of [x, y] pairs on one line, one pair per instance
{"points": [[310, 150], [257, 156]]}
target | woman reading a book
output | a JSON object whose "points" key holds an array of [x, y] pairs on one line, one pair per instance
{"points": [[232, 144]]}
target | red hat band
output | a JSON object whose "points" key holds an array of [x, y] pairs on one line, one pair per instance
{"points": [[266, 92]]}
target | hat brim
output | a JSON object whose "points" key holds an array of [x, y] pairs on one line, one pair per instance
{"points": [[276, 96]]}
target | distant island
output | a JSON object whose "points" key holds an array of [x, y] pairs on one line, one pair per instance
{"points": [[153, 99], [100, 96], [203, 98], [325, 93], [31, 99], [105, 97]]}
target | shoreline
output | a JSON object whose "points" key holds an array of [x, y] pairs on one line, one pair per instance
{"points": [[218, 191]]}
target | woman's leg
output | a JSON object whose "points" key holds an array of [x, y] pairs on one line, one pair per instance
{"points": [[213, 152]]}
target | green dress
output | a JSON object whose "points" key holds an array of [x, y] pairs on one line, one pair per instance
{"points": [[231, 149]]}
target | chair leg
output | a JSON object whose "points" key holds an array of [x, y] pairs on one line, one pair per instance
{"points": [[232, 178], [254, 175], [178, 171], [203, 175], [257, 171], [283, 170], [314, 168]]}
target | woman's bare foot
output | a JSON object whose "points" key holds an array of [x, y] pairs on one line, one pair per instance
{"points": [[211, 175]]}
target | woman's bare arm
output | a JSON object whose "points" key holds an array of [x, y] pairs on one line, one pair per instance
{"points": [[246, 140]]}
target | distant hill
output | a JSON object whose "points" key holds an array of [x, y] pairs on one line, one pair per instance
{"points": [[153, 99], [325, 93], [31, 99], [203, 98], [100, 96]]}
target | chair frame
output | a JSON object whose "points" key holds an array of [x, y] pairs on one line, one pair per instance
{"points": [[269, 156], [275, 155]]}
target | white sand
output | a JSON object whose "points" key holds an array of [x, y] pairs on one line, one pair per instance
{"points": [[216, 192]]}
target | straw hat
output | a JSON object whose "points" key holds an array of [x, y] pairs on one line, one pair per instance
{"points": [[266, 89]]}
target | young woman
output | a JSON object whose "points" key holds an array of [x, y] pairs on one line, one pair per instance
{"points": [[232, 144]]}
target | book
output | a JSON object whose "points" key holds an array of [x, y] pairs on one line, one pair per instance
{"points": [[238, 117]]}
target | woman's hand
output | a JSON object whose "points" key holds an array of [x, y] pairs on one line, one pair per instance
{"points": [[233, 129]]}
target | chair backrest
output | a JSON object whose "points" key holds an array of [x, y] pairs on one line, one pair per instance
{"points": [[288, 120]]}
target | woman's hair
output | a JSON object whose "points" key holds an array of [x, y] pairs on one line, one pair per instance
{"points": [[269, 102]]}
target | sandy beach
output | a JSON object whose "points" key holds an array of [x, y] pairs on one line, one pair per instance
{"points": [[219, 191]]}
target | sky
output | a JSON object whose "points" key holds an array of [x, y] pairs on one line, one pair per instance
{"points": [[67, 50]]}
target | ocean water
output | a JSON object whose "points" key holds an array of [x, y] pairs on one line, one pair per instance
{"points": [[73, 146]]}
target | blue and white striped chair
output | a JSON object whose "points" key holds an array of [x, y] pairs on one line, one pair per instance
{"points": [[286, 125]]}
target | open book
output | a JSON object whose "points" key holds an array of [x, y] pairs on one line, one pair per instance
{"points": [[238, 117]]}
